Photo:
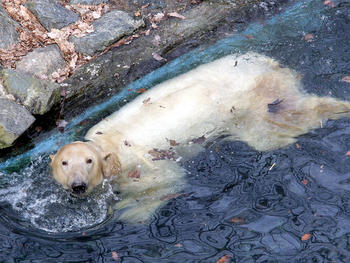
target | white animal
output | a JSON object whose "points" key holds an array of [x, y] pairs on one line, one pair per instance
{"points": [[244, 97]]}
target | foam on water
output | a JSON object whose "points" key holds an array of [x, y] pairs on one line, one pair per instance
{"points": [[43, 203]]}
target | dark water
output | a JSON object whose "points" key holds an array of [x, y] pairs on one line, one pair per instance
{"points": [[251, 206]]}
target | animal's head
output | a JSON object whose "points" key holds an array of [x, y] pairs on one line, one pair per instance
{"points": [[80, 166]]}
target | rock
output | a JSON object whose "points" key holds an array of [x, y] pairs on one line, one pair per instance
{"points": [[88, 2], [8, 33], [107, 30], [51, 14], [14, 120], [108, 73], [37, 95], [42, 62]]}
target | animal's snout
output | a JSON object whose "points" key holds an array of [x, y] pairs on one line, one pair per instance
{"points": [[79, 188]]}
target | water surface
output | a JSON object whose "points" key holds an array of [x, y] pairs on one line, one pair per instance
{"points": [[251, 206]]}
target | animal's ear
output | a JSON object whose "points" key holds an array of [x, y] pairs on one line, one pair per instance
{"points": [[52, 156], [111, 165]]}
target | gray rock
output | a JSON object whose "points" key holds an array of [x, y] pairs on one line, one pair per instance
{"points": [[42, 62], [88, 2], [14, 120], [108, 29], [37, 95], [8, 33], [51, 14]]}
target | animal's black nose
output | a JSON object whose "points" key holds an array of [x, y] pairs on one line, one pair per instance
{"points": [[79, 188]]}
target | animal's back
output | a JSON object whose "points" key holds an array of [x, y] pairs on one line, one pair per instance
{"points": [[191, 105]]}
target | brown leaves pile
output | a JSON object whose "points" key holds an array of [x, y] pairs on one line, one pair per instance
{"points": [[31, 33], [88, 13]]}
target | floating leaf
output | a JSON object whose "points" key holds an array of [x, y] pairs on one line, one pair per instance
{"points": [[305, 237]]}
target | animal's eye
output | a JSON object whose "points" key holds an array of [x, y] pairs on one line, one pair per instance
{"points": [[64, 163], [89, 161]]}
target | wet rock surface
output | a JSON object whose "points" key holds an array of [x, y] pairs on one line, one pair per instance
{"points": [[14, 120], [51, 14], [8, 33], [130, 39]]}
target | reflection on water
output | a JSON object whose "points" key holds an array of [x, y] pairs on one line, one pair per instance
{"points": [[251, 206]]}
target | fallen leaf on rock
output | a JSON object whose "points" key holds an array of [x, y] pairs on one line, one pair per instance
{"points": [[158, 17], [137, 13], [347, 153], [156, 40], [177, 15], [158, 57], [178, 245], [145, 6], [305, 237], [346, 79], [224, 259]]}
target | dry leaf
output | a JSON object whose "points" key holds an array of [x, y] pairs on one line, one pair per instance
{"points": [[305, 237], [158, 154], [330, 3], [224, 259], [115, 255], [177, 15], [158, 57], [248, 36], [304, 181], [199, 140], [158, 17], [156, 40], [137, 13], [61, 124], [134, 174], [173, 143], [309, 37], [346, 79], [168, 197], [237, 220], [347, 153], [178, 245], [142, 90], [146, 101]]}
